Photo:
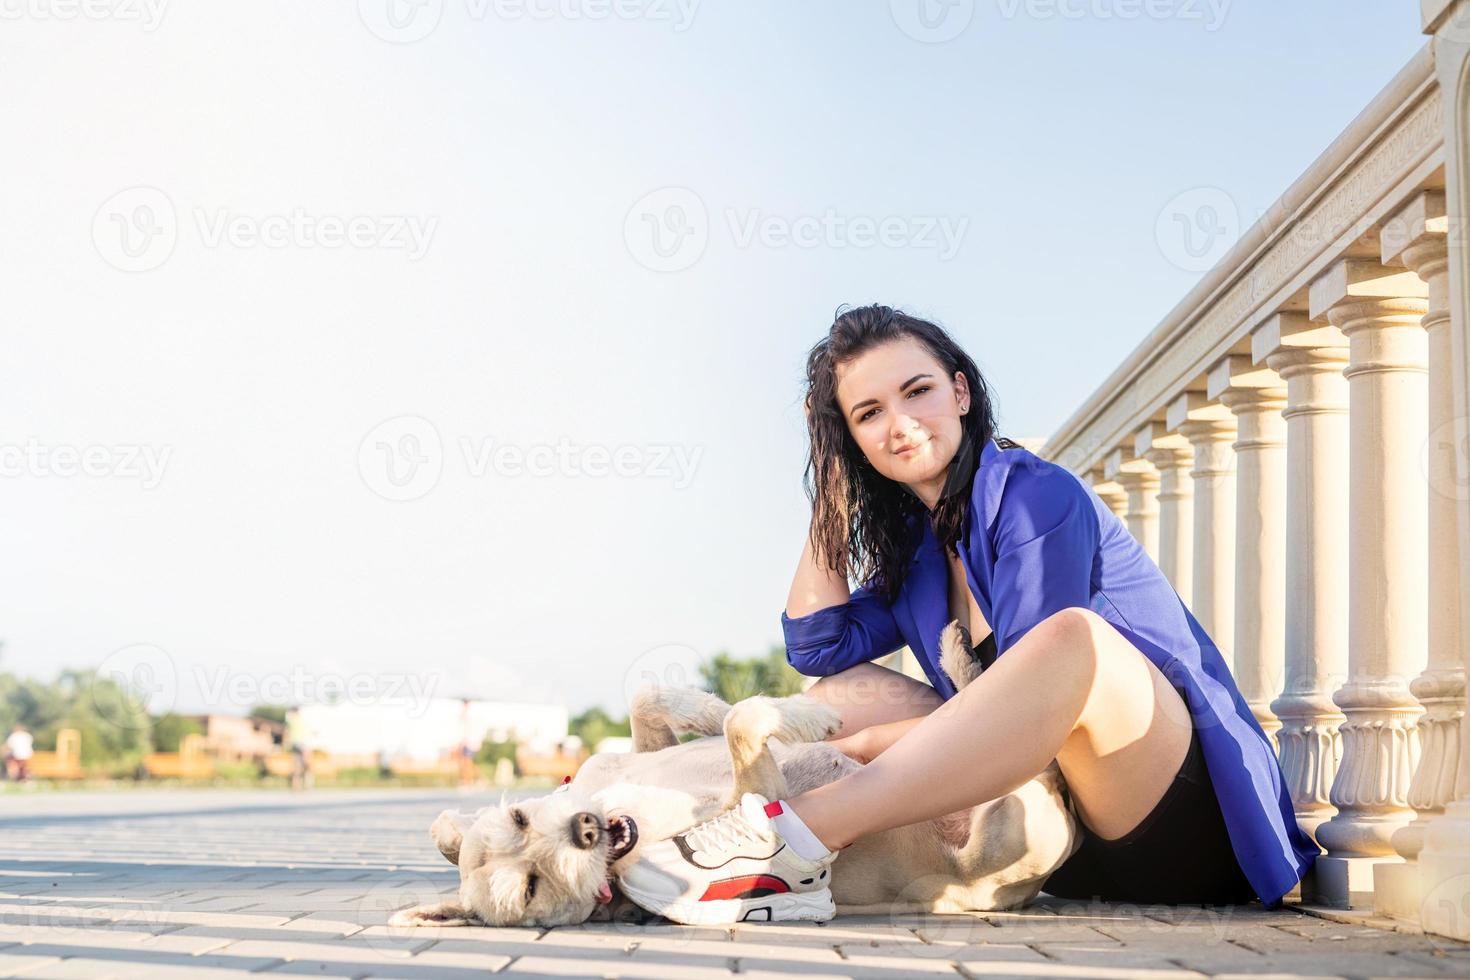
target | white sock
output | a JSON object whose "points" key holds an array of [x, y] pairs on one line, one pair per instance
{"points": [[796, 833]]}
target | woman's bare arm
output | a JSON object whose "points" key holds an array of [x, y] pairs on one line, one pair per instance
{"points": [[866, 745], [814, 586]]}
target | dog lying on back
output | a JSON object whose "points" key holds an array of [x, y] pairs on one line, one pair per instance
{"points": [[554, 860]]}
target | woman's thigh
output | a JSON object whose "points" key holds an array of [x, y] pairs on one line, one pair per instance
{"points": [[1134, 733], [867, 695]]}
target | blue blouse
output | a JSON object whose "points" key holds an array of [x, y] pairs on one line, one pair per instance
{"points": [[1048, 542]]}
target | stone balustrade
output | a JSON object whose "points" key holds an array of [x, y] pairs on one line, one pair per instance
{"points": [[1289, 445]]}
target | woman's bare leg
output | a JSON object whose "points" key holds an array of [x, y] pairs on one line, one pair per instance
{"points": [[1072, 689], [867, 695]]}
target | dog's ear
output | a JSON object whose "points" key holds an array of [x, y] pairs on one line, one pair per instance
{"points": [[438, 914], [448, 831]]}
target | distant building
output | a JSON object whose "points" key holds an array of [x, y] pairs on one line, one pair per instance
{"points": [[425, 731], [232, 738]]}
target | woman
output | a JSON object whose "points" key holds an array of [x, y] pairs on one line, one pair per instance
{"points": [[1093, 659]]}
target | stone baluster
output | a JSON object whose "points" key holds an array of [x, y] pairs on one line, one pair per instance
{"points": [[1255, 397], [1379, 310], [1172, 456], [1444, 861], [1310, 358], [1417, 237], [1210, 429], [1111, 493], [1140, 481]]}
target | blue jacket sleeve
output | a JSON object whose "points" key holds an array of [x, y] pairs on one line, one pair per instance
{"points": [[829, 640], [1046, 539]]}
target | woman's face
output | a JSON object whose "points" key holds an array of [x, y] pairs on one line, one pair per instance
{"points": [[904, 411]]}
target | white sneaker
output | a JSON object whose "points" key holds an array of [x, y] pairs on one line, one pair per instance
{"points": [[731, 868]]}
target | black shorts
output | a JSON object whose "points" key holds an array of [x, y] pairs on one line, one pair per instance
{"points": [[1179, 853]]}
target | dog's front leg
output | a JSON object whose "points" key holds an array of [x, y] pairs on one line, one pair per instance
{"points": [[753, 722]]}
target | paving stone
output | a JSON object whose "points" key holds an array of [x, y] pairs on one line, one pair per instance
{"points": [[618, 968], [1318, 963], [12, 963], [162, 884]]}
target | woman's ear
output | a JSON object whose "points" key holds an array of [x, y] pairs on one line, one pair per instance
{"points": [[962, 391]]}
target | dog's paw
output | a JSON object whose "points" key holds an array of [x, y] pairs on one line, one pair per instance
{"points": [[793, 719], [437, 914]]}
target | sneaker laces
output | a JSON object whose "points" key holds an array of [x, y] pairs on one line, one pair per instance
{"points": [[725, 832]]}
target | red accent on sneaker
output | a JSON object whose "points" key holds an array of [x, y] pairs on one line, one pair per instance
{"points": [[774, 809], [745, 886]]}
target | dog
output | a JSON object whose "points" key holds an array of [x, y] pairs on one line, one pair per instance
{"points": [[554, 860]]}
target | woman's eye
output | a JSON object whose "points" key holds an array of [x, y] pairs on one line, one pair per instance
{"points": [[920, 389], [531, 887], [866, 415]]}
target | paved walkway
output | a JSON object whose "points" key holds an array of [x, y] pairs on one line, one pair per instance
{"points": [[203, 884]]}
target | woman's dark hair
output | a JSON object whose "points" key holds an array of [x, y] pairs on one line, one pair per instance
{"points": [[860, 518]]}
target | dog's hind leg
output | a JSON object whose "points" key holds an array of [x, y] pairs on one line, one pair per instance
{"points": [[754, 721], [659, 715]]}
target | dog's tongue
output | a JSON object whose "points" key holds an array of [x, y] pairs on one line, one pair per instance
{"points": [[604, 893]]}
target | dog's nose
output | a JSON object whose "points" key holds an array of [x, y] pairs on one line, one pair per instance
{"points": [[585, 830]]}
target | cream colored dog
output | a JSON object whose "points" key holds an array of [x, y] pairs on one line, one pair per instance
{"points": [[553, 860]]}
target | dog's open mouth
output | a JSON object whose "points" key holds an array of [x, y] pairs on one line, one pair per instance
{"points": [[622, 834]]}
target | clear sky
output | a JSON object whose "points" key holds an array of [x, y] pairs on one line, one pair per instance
{"points": [[458, 343]]}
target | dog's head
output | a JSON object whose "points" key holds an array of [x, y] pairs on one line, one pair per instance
{"points": [[544, 861]]}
